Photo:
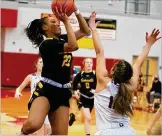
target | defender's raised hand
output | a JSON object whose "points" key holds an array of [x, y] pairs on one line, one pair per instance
{"points": [[153, 37], [91, 22]]}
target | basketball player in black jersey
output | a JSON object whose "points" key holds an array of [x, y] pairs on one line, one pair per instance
{"points": [[85, 95], [52, 93]]}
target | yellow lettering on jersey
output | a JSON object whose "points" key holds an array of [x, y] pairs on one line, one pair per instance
{"points": [[36, 93], [87, 80], [66, 61], [40, 85], [87, 85]]}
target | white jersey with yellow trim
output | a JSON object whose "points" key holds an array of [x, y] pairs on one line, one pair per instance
{"points": [[35, 78]]}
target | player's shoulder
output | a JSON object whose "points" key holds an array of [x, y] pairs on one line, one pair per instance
{"points": [[30, 75], [94, 72], [48, 41], [45, 42], [33, 74], [82, 72]]}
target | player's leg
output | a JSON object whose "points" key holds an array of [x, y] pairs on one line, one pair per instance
{"points": [[38, 111]]}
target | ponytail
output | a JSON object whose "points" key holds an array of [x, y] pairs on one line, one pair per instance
{"points": [[35, 32], [122, 101]]}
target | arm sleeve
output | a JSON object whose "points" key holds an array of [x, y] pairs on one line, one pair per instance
{"points": [[76, 81]]}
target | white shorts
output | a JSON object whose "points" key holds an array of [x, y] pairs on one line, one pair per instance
{"points": [[47, 121], [126, 131]]}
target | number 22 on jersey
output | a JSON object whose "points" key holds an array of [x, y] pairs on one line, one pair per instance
{"points": [[66, 60]]}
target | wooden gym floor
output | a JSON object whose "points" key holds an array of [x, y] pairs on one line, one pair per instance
{"points": [[14, 112]]}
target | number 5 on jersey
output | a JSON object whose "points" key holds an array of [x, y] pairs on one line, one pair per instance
{"points": [[66, 61]]}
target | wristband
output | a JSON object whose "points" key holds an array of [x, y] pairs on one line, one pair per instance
{"points": [[77, 12]]}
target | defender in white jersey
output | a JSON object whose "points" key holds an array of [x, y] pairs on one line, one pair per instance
{"points": [[113, 95], [33, 79]]}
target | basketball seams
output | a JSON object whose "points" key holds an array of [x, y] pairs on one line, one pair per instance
{"points": [[71, 7], [66, 3], [54, 4]]}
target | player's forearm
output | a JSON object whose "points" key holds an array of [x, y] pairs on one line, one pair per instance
{"points": [[155, 118], [143, 55], [82, 23], [19, 89], [97, 42], [137, 66], [70, 34]]}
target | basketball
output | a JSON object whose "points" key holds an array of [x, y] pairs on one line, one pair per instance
{"points": [[66, 4]]}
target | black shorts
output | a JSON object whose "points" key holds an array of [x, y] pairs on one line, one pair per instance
{"points": [[56, 96], [86, 103]]}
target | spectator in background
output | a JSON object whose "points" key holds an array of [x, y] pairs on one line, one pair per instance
{"points": [[155, 91], [140, 88], [141, 83]]}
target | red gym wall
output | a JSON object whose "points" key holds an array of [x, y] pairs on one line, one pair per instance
{"points": [[16, 66]]}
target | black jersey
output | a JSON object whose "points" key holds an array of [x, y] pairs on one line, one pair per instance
{"points": [[56, 63], [87, 82]]}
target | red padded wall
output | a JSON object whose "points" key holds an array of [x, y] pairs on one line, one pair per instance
{"points": [[16, 66]]}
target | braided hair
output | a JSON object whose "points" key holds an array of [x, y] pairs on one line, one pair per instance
{"points": [[35, 32], [122, 74]]}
